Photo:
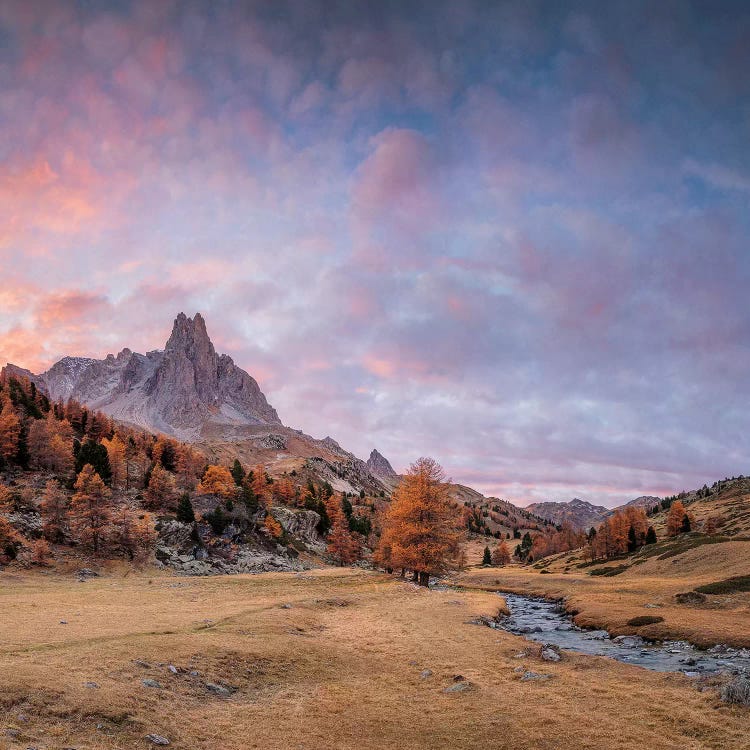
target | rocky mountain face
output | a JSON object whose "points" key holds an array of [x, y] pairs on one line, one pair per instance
{"points": [[178, 391], [379, 466], [578, 513]]}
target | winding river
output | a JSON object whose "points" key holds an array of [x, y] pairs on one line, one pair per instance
{"points": [[546, 622]]}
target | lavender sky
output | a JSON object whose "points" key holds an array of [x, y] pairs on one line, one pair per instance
{"points": [[515, 237]]}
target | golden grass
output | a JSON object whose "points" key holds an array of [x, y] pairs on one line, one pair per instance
{"points": [[339, 668]]}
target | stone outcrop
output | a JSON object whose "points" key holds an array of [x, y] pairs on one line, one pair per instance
{"points": [[178, 549], [301, 524]]}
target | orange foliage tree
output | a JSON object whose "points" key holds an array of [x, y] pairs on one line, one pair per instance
{"points": [[501, 554], [679, 519], [90, 509], [273, 527], [54, 511], [342, 545], [116, 454], [131, 533], [160, 490], [421, 526], [218, 480], [10, 430]]}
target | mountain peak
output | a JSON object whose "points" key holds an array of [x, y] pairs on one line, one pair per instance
{"points": [[379, 465], [180, 390]]}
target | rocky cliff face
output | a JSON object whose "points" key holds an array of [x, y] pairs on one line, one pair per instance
{"points": [[379, 466], [578, 513], [178, 391]]}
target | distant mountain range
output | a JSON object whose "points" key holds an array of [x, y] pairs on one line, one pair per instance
{"points": [[192, 393], [581, 514]]}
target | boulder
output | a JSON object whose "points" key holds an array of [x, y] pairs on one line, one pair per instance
{"points": [[157, 739], [301, 524], [550, 653]]}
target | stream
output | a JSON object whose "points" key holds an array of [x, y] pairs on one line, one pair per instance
{"points": [[546, 622]]}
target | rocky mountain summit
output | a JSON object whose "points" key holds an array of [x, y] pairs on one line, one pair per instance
{"points": [[178, 391], [380, 466], [578, 513]]}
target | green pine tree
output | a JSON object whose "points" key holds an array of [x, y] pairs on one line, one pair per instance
{"points": [[185, 512], [238, 473], [487, 559]]}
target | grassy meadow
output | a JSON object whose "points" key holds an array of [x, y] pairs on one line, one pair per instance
{"points": [[334, 658]]}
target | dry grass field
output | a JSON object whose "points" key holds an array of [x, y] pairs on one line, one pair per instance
{"points": [[325, 659], [609, 602]]}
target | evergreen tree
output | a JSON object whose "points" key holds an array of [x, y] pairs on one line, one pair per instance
{"points": [[487, 559], [94, 454], [632, 541], [685, 527], [651, 535], [185, 512], [238, 472]]}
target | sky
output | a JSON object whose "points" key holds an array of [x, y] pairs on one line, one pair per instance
{"points": [[513, 236]]}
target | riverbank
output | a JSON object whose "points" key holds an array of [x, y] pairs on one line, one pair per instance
{"points": [[648, 589], [332, 658]]}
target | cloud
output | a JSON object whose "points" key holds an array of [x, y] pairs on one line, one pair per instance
{"points": [[511, 239]]}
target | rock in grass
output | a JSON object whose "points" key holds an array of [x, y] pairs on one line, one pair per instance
{"points": [[157, 739], [223, 690], [528, 676], [425, 673], [151, 683], [91, 685], [459, 687], [550, 653]]}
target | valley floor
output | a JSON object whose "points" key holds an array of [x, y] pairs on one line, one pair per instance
{"points": [[322, 659]]}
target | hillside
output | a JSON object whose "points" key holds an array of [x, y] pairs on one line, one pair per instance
{"points": [[578, 513], [490, 516]]}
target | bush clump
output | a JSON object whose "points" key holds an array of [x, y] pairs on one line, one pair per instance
{"points": [[690, 597], [727, 586], [609, 571], [641, 620], [737, 691]]}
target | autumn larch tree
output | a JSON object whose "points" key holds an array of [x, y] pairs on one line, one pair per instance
{"points": [[342, 545], [10, 431], [90, 509], [10, 541], [131, 533], [54, 510], [501, 554], [676, 519], [218, 480], [422, 524], [116, 454], [273, 527], [160, 490], [259, 484]]}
